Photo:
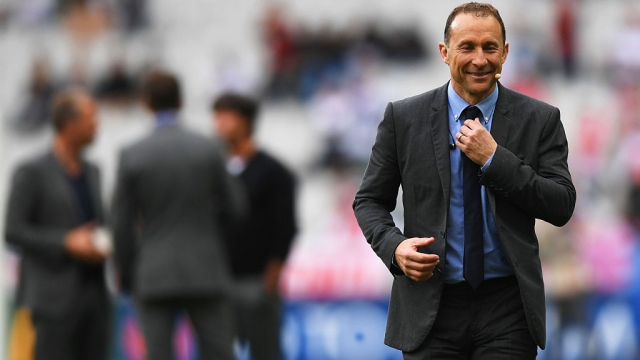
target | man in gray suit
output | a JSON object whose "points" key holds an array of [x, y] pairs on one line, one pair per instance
{"points": [[478, 164], [172, 190], [53, 210]]}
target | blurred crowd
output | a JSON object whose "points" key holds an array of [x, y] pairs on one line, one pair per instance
{"points": [[338, 80], [84, 18], [333, 73], [303, 61], [84, 22], [117, 87]]}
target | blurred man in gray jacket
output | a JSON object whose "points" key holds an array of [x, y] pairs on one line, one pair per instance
{"points": [[172, 191], [53, 210]]}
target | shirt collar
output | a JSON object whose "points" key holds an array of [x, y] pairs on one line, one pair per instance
{"points": [[457, 104], [166, 118]]}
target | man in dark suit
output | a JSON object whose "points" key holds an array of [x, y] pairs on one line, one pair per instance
{"points": [[172, 190], [258, 247], [54, 208], [478, 164]]}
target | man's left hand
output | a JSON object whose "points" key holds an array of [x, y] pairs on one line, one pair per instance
{"points": [[475, 141], [271, 276]]}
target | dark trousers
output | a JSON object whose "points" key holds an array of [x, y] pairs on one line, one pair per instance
{"points": [[83, 334], [258, 318], [486, 323], [211, 318]]}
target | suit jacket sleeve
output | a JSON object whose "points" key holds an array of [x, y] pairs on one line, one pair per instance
{"points": [[123, 223], [376, 198], [22, 229], [546, 193]]}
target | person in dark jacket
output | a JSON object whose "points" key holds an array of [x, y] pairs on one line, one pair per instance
{"points": [[258, 248]]}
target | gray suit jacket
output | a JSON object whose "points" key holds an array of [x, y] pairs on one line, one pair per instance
{"points": [[528, 179], [171, 192], [42, 208]]}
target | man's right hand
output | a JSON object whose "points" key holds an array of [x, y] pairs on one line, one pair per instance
{"points": [[416, 265], [79, 244]]}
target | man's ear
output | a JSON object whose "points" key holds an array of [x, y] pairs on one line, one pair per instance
{"points": [[444, 52], [505, 52]]}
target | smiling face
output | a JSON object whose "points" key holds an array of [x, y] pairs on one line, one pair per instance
{"points": [[475, 54]]}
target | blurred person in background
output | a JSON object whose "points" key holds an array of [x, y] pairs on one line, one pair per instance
{"points": [[35, 111], [566, 35], [478, 164], [134, 15], [172, 192], [282, 53], [258, 247], [54, 208], [85, 21], [116, 87]]}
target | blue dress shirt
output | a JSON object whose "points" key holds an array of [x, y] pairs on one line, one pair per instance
{"points": [[495, 263], [166, 118]]}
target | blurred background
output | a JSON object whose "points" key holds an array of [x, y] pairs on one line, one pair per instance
{"points": [[324, 71]]}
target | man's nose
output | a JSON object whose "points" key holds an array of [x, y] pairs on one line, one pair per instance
{"points": [[479, 58]]}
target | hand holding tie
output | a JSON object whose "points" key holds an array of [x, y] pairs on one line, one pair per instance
{"points": [[475, 141]]}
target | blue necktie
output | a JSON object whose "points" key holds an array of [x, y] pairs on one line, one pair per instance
{"points": [[473, 268]]}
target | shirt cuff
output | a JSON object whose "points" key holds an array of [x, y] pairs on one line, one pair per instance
{"points": [[486, 165]]}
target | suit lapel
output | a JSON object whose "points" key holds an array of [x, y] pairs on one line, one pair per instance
{"points": [[94, 184], [439, 123], [500, 127], [501, 122]]}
